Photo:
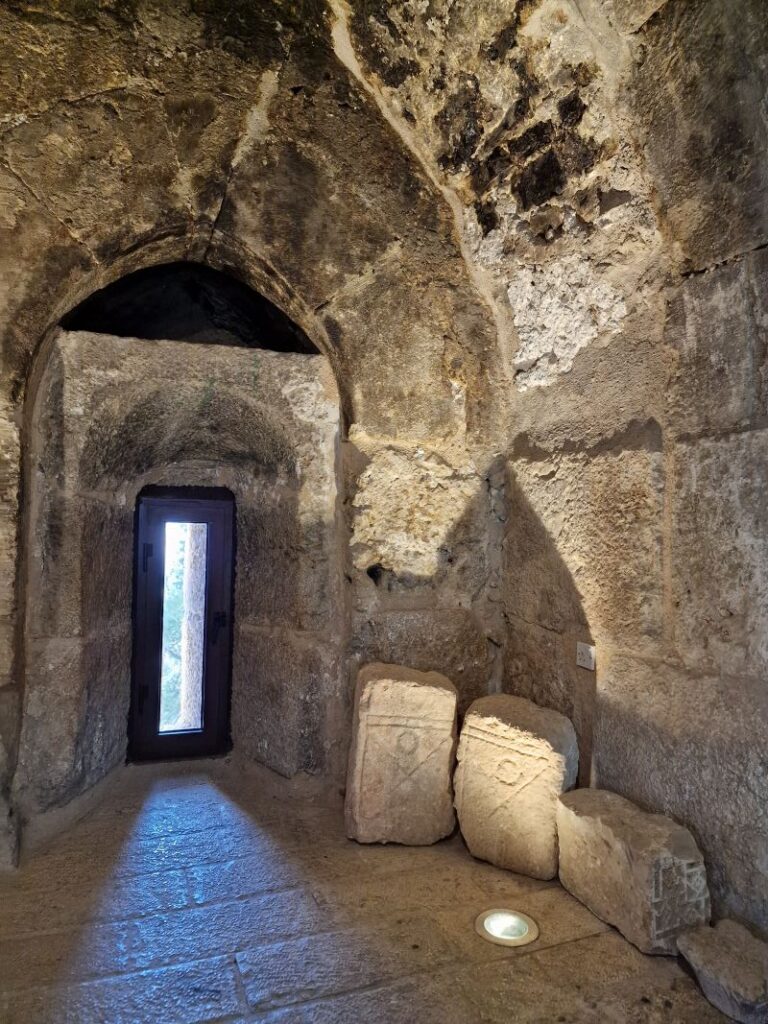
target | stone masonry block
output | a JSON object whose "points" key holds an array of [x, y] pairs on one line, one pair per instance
{"points": [[693, 745], [731, 965], [515, 759], [403, 745], [640, 872]]}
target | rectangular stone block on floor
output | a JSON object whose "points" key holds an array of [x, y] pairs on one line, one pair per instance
{"points": [[515, 759], [640, 872], [731, 965], [403, 745]]}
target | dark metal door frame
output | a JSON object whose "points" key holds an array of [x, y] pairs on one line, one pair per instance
{"points": [[155, 507]]}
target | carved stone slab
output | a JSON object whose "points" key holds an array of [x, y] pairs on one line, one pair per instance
{"points": [[640, 872], [731, 965], [400, 763], [515, 759]]}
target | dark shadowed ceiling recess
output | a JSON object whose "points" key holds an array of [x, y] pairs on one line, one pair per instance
{"points": [[188, 302]]}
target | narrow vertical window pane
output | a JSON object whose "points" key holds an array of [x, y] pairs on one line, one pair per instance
{"points": [[181, 676]]}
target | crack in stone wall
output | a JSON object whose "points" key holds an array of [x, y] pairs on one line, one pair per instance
{"points": [[345, 51], [529, 138]]}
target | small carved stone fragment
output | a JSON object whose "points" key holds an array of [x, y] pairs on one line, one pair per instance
{"points": [[731, 965]]}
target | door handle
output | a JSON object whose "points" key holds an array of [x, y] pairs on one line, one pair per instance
{"points": [[218, 622], [143, 694], [146, 553]]}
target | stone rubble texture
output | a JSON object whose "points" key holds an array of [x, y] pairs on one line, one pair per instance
{"points": [[640, 872], [515, 759], [401, 758], [731, 966], [528, 237]]}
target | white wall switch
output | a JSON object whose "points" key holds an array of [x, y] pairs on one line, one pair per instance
{"points": [[585, 656]]}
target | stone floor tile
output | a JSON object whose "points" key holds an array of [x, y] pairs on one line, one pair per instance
{"points": [[228, 927], [439, 888], [359, 860], [344, 961], [575, 983], [138, 854], [29, 910], [61, 957], [417, 1000], [665, 996], [159, 939], [497, 884], [245, 876], [185, 994]]}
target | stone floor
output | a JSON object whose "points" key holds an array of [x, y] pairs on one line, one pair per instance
{"points": [[200, 893]]}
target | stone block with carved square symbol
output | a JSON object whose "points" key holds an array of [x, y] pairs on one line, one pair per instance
{"points": [[640, 872], [400, 764]]}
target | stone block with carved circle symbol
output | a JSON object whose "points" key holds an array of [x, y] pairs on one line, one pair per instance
{"points": [[515, 759], [401, 759]]}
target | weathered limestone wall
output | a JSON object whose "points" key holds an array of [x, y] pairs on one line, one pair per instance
{"points": [[234, 135], [112, 415], [528, 238], [523, 117], [608, 163], [695, 710]]}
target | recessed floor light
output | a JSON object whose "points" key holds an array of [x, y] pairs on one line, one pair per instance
{"points": [[506, 927]]}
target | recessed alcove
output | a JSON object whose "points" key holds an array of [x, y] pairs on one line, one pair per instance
{"points": [[236, 397]]}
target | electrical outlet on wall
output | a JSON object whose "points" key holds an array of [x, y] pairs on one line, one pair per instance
{"points": [[585, 656]]}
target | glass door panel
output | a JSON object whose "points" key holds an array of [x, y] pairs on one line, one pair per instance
{"points": [[181, 671]]}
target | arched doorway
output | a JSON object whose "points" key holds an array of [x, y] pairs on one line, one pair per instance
{"points": [[184, 301], [238, 398]]}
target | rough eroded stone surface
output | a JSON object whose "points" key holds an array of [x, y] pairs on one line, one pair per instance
{"points": [[515, 759], [706, 135], [651, 718], [605, 514], [403, 743], [731, 965], [451, 641], [714, 387], [9, 836], [643, 873]]}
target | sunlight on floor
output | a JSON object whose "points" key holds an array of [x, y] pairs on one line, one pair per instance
{"points": [[219, 894]]}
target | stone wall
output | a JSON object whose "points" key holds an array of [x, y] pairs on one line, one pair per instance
{"points": [[528, 238], [112, 415], [236, 137], [606, 162]]}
